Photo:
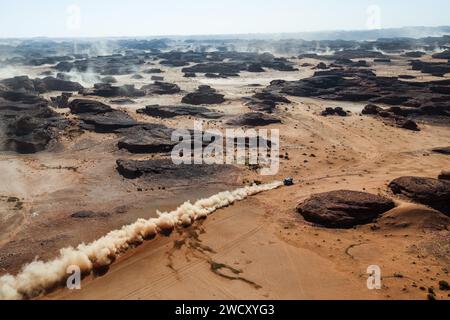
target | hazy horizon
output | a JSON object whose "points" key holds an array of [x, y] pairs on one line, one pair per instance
{"points": [[139, 18], [246, 36]]}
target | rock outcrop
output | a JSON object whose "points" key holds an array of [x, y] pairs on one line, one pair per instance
{"points": [[337, 111], [36, 86], [107, 90], [99, 117], [147, 138], [204, 95], [428, 191], [28, 126], [166, 170], [161, 88], [343, 208], [179, 111]]}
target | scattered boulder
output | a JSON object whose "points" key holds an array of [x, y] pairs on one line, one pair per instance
{"points": [[410, 125], [108, 79], [371, 109], [108, 122], [161, 88], [89, 215], [338, 111], [343, 208]]}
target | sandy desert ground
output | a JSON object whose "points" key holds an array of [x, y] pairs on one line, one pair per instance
{"points": [[260, 248]]}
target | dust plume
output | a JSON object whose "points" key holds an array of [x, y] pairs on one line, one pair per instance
{"points": [[38, 276]]}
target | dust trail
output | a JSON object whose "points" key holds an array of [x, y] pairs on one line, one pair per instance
{"points": [[39, 276]]}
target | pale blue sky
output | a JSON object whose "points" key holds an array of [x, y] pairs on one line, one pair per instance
{"points": [[52, 18]]}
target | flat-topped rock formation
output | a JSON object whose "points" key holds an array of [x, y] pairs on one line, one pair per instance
{"points": [[107, 90], [99, 117], [147, 138], [28, 126], [204, 95], [179, 111], [116, 64], [160, 87], [24, 83], [344, 208], [423, 98], [429, 191]]}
